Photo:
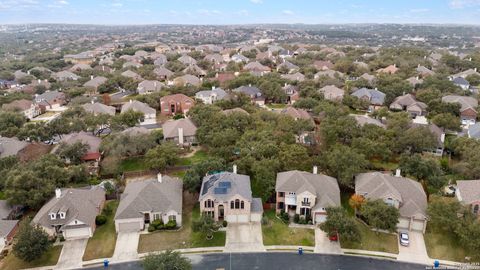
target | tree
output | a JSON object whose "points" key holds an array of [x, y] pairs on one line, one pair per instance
{"points": [[206, 225], [380, 215], [162, 156], [168, 260], [417, 140], [32, 242], [339, 222], [356, 202], [343, 162], [10, 123], [193, 177], [74, 152], [447, 121], [426, 170], [444, 214]]}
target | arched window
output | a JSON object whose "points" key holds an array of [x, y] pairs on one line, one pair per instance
{"points": [[242, 205], [237, 204], [475, 209], [232, 205], [205, 204]]}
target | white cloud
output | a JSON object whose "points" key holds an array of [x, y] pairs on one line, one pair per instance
{"points": [[458, 4], [207, 12], [287, 12], [419, 10], [17, 4], [256, 1]]}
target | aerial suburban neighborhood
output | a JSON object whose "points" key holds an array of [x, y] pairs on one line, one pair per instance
{"points": [[153, 144]]}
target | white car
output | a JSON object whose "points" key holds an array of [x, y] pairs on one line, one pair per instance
{"points": [[449, 190], [404, 239]]}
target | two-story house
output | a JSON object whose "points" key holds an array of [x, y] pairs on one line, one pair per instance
{"points": [[306, 194], [228, 196], [468, 193], [176, 104]]}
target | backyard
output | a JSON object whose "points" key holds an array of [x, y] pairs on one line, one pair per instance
{"points": [[133, 164], [276, 232], [102, 243], [373, 241], [11, 262], [184, 237]]}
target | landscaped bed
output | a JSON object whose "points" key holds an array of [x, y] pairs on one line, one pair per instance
{"points": [[276, 232], [11, 262], [373, 241], [102, 243], [184, 237]]}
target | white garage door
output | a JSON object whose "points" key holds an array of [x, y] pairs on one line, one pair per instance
{"points": [[417, 225], [403, 223], [231, 218], [256, 217], [128, 226], [320, 218], [243, 218], [77, 233]]}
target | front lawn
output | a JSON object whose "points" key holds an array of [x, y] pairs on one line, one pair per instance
{"points": [[197, 157], [444, 245], [11, 262], [276, 232], [102, 243], [373, 241], [133, 164], [184, 237]]}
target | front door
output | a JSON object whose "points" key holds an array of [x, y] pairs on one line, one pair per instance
{"points": [[221, 212], [146, 218]]}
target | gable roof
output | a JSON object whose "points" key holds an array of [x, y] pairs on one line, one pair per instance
{"points": [[219, 92], [150, 196], [296, 113], [138, 106], [251, 91], [363, 120], [170, 128], [214, 185], [469, 190], [98, 108], [376, 97], [410, 194], [93, 142], [464, 101], [11, 146], [332, 92], [95, 82]]}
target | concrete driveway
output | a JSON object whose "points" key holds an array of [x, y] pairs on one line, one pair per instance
{"points": [[324, 245], [244, 237], [126, 246], [72, 253], [416, 252]]}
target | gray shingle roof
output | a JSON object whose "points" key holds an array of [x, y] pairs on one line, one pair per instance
{"points": [[150, 196], [464, 101], [5, 209], [376, 97], [251, 91], [221, 94], [474, 131], [212, 185], [92, 141], [256, 206], [469, 190], [138, 106], [6, 226], [98, 108], [10, 146], [170, 128], [376, 185]]}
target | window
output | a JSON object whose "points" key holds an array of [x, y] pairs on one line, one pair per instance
{"points": [[156, 216], [281, 194], [53, 216], [242, 205], [305, 200], [291, 193], [208, 204], [62, 215], [172, 217], [232, 205], [237, 204]]}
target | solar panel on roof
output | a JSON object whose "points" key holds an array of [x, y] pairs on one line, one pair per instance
{"points": [[225, 184], [220, 190]]}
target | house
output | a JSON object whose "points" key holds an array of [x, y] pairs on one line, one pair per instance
{"points": [[323, 65], [210, 96], [294, 77], [187, 60], [187, 80], [8, 229], [392, 69], [468, 193], [466, 73], [409, 104], [195, 70], [24, 106], [414, 81], [297, 113], [239, 58], [462, 83], [306, 194], [160, 60], [291, 68], [369, 78], [175, 104], [71, 213], [65, 76], [11, 146], [94, 83], [149, 113], [400, 192], [473, 131], [181, 131], [50, 100], [424, 71], [223, 78], [439, 135], [163, 73], [292, 93], [214, 58], [228, 196], [93, 155], [363, 120], [80, 67], [331, 92], [328, 73], [148, 87], [81, 58], [131, 74], [375, 97], [148, 200], [256, 67], [253, 92], [98, 108], [468, 108]]}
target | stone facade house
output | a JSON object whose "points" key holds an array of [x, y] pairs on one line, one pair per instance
{"points": [[175, 104]]}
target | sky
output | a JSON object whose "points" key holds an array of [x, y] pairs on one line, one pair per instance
{"points": [[239, 11]]}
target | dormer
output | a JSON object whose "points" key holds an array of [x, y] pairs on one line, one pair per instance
{"points": [[53, 216], [63, 212], [62, 215]]}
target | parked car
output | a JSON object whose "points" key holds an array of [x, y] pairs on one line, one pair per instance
{"points": [[449, 190], [404, 239], [333, 237]]}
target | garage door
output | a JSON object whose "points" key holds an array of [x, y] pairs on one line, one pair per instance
{"points": [[77, 233], [417, 225], [256, 217], [320, 218], [128, 226], [403, 223], [237, 218], [231, 218], [243, 218]]}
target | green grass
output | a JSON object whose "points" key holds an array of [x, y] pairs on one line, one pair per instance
{"points": [[199, 156], [373, 241], [276, 105], [2, 195], [179, 174], [276, 232], [11, 262], [102, 243], [133, 164], [384, 166], [345, 197]]}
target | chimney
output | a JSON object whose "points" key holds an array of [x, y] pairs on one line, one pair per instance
{"points": [[475, 69], [418, 66], [39, 81], [315, 169], [249, 85], [398, 173], [394, 65], [180, 136], [28, 72], [58, 193], [130, 101], [213, 87], [93, 102], [91, 77], [103, 68], [155, 84], [285, 85], [159, 177], [418, 78], [235, 168]]}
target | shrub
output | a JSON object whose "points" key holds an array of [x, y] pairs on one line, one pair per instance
{"points": [[296, 218], [171, 224], [302, 220], [62, 239], [157, 224], [284, 216], [100, 220], [224, 223], [264, 220], [151, 228]]}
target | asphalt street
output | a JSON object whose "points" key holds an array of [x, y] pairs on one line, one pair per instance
{"points": [[280, 260]]}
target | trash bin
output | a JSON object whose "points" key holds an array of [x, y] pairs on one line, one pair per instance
{"points": [[436, 264], [300, 251], [105, 263]]}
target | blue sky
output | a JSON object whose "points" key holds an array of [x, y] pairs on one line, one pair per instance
{"points": [[239, 11]]}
